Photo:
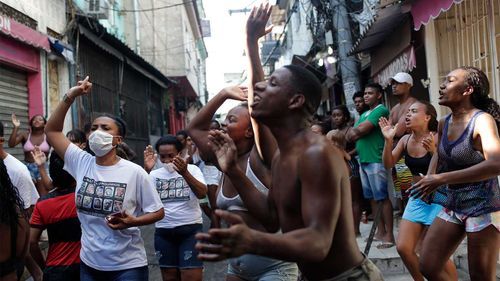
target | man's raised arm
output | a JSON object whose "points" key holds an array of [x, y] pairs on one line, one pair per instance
{"points": [[255, 29]]}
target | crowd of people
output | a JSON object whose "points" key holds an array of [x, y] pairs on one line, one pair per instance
{"points": [[285, 197]]}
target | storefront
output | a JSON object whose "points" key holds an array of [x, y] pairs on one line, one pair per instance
{"points": [[20, 74], [394, 47], [460, 33]]}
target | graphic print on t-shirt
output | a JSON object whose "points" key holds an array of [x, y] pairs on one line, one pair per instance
{"points": [[173, 190], [99, 198]]}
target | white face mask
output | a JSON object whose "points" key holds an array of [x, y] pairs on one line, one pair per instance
{"points": [[101, 143], [169, 167]]}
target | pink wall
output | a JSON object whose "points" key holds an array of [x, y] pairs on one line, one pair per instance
{"points": [[25, 58]]}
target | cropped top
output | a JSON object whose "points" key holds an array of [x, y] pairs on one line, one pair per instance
{"points": [[416, 165], [235, 203], [44, 146]]}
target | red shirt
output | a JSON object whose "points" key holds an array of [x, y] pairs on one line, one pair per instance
{"points": [[56, 212]]}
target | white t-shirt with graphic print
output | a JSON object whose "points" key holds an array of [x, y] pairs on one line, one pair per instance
{"points": [[104, 190], [182, 207]]}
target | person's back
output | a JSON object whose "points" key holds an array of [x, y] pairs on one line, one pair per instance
{"points": [[56, 212]]}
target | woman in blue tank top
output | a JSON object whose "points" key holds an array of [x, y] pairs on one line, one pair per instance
{"points": [[417, 149], [463, 178]]}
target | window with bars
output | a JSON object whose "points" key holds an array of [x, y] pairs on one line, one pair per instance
{"points": [[469, 34]]}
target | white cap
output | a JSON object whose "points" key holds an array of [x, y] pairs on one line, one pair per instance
{"points": [[403, 77]]}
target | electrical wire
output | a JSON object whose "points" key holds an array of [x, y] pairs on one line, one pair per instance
{"points": [[281, 35], [145, 10]]}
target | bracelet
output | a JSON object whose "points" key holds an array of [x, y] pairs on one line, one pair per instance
{"points": [[67, 99]]}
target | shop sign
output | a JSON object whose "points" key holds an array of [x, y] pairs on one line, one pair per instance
{"points": [[403, 63]]}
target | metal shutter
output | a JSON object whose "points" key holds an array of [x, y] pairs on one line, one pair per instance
{"points": [[13, 98]]}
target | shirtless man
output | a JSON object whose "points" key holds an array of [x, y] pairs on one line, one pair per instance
{"points": [[401, 86], [309, 198]]}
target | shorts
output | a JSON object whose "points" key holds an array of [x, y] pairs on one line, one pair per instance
{"points": [[258, 268], [418, 211], [34, 172], [472, 224], [175, 246], [211, 174], [374, 181], [402, 179], [366, 271], [88, 273]]}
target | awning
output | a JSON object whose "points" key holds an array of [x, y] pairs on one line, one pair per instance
{"points": [[185, 87], [425, 10], [383, 24], [99, 42], [23, 33]]}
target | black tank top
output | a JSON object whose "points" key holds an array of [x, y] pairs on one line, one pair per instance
{"points": [[419, 165]]}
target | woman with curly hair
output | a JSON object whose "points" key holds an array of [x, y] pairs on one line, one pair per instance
{"points": [[464, 173], [14, 228]]}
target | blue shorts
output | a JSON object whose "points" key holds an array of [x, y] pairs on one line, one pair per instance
{"points": [[175, 246], [374, 181], [418, 211], [88, 273], [258, 268], [34, 172]]}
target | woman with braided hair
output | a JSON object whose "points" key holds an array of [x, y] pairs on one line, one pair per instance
{"points": [[14, 228], [462, 177]]}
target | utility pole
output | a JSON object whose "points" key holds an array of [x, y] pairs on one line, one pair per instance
{"points": [[349, 67]]}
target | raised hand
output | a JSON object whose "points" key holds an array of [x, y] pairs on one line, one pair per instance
{"points": [[429, 144], [149, 158], [82, 87], [180, 165], [387, 129], [39, 156], [224, 149], [236, 93], [15, 121], [220, 244], [257, 21], [427, 185]]}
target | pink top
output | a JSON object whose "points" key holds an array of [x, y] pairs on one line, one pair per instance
{"points": [[44, 146]]}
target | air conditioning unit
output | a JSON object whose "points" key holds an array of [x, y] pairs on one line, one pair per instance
{"points": [[97, 8]]}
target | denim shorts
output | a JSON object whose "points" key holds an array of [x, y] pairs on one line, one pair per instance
{"points": [[34, 172], [472, 224], [374, 181], [258, 268], [418, 211], [88, 273], [175, 246]]}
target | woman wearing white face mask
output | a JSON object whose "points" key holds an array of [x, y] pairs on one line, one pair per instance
{"points": [[180, 186], [113, 196]]}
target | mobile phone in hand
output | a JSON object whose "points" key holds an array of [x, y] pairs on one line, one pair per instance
{"points": [[112, 218]]}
